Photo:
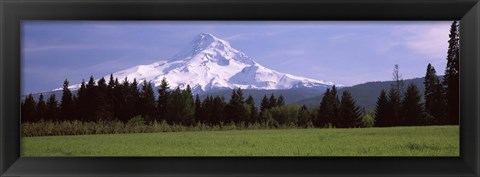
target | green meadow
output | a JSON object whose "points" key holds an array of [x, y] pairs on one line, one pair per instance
{"points": [[392, 141]]}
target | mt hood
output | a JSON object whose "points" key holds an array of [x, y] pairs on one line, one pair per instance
{"points": [[209, 63]]}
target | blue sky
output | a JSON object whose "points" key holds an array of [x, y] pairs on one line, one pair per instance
{"points": [[346, 53]]}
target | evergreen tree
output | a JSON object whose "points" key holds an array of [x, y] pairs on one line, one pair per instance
{"points": [[189, 110], [382, 118], [102, 109], [281, 101], [52, 108], [440, 106], [81, 105], [213, 110], [198, 110], [430, 82], [304, 117], [41, 109], [236, 111], [435, 105], [217, 110], [272, 101], [335, 106], [66, 107], [243, 114], [329, 109], [253, 117], [122, 96], [264, 106], [111, 96], [111, 83], [133, 99], [412, 112], [148, 101], [188, 90], [28, 109], [349, 113], [90, 100], [398, 81], [163, 94], [119, 100], [393, 108], [325, 111], [180, 107], [206, 112], [173, 106], [451, 78]]}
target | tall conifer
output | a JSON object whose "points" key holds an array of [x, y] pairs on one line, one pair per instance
{"points": [[349, 113], [382, 118], [28, 109], [264, 106], [435, 105], [147, 101], [304, 117], [393, 109], [198, 110], [82, 102], [452, 75], [163, 94], [412, 111], [66, 107], [102, 110], [281, 101], [272, 101], [253, 117], [41, 109], [52, 108], [325, 111]]}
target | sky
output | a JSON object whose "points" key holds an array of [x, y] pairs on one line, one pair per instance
{"points": [[345, 53]]}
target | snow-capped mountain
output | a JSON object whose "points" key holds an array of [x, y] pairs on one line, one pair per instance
{"points": [[210, 63]]}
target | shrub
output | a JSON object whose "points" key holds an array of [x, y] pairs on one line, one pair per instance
{"points": [[368, 120]]}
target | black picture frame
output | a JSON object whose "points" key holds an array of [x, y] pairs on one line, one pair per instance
{"points": [[14, 11]]}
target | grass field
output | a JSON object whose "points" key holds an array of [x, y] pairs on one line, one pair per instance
{"points": [[396, 141]]}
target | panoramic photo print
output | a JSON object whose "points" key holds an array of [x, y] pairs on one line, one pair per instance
{"points": [[226, 88]]}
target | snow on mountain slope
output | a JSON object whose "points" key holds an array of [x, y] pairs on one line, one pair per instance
{"points": [[209, 63]]}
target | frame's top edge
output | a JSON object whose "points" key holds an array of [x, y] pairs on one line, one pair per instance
{"points": [[244, 1]]}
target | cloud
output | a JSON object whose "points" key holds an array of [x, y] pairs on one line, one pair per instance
{"points": [[44, 48], [50, 80], [341, 37], [80, 47], [285, 57], [429, 41], [236, 37], [253, 35]]}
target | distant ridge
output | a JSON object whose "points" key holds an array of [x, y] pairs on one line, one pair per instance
{"points": [[366, 94]]}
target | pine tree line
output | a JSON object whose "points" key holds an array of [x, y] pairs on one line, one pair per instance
{"points": [[112, 101], [102, 101]]}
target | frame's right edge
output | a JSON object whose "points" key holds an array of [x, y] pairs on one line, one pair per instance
{"points": [[470, 38]]}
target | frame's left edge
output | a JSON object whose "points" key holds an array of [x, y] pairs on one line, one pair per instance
{"points": [[2, 168], [9, 86]]}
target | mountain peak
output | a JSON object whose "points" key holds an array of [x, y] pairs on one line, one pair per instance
{"points": [[206, 36], [205, 40], [198, 44], [206, 46]]}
